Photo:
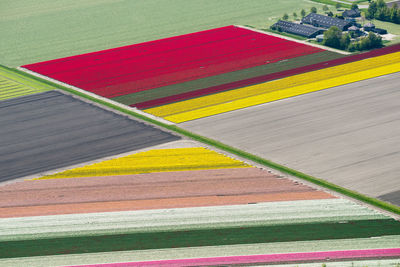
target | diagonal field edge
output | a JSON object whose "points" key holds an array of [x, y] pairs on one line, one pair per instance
{"points": [[350, 193]]}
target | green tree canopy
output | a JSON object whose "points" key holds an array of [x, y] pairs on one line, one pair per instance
{"points": [[303, 13], [313, 9], [354, 6], [332, 37], [285, 16]]}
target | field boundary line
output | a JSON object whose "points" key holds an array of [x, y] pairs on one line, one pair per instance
{"points": [[92, 95], [381, 205], [297, 41]]}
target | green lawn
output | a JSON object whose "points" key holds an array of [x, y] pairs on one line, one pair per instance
{"points": [[38, 30], [391, 28]]}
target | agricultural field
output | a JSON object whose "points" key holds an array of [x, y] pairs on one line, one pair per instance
{"points": [[197, 209], [123, 72], [50, 130], [14, 85], [39, 30], [279, 89], [346, 134], [179, 133]]}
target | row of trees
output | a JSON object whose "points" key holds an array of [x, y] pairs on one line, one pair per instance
{"points": [[379, 10], [302, 13], [335, 38]]}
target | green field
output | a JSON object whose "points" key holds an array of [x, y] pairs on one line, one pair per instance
{"points": [[39, 30], [392, 28], [200, 237], [15, 85]]}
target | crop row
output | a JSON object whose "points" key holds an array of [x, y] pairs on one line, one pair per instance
{"points": [[13, 85], [326, 77], [164, 160], [200, 237], [161, 96]]}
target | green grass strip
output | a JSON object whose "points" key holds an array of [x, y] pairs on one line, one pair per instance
{"points": [[353, 194], [200, 237]]}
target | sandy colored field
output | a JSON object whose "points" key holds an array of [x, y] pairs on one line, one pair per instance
{"points": [[150, 191], [348, 135]]}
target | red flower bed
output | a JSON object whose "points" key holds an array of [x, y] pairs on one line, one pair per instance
{"points": [[139, 67]]}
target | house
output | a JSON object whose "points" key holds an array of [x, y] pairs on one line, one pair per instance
{"points": [[353, 29], [352, 13], [318, 20], [369, 26], [298, 29], [379, 31]]}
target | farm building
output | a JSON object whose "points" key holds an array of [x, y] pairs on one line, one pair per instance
{"points": [[369, 26], [352, 13], [353, 29], [379, 31], [298, 29], [318, 20]]}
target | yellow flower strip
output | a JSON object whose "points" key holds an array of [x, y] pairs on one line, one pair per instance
{"points": [[160, 160], [296, 80], [281, 94]]}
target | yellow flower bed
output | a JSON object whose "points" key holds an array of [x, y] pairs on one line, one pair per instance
{"points": [[167, 111], [281, 94], [157, 160]]}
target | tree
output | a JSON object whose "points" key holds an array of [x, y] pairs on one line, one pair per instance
{"points": [[294, 15], [285, 16], [354, 6], [375, 41], [332, 37], [313, 9], [372, 9], [329, 13], [345, 41], [325, 8], [338, 5], [380, 4], [303, 13]]}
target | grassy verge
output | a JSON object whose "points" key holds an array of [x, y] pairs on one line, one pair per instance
{"points": [[372, 201]]}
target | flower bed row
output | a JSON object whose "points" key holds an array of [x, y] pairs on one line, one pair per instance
{"points": [[288, 83], [264, 78], [162, 160]]}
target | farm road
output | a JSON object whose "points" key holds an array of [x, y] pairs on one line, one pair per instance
{"points": [[348, 135]]}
